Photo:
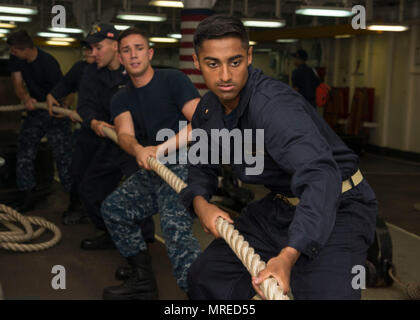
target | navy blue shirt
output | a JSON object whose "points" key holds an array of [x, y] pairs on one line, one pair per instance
{"points": [[305, 79], [303, 157], [96, 90], [71, 81], [230, 119], [157, 105], [40, 75]]}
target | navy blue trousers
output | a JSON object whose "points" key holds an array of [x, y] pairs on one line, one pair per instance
{"points": [[58, 131], [219, 274]]}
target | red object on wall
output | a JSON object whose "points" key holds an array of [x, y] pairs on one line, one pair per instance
{"points": [[368, 114], [342, 98], [371, 104]]}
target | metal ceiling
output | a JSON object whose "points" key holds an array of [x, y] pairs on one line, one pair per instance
{"points": [[83, 13]]}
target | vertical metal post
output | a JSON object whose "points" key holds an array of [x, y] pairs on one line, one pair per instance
{"points": [[98, 10], [401, 11], [369, 10], [278, 8], [388, 88]]}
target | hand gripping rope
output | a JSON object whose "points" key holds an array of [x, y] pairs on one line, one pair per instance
{"points": [[240, 247]]}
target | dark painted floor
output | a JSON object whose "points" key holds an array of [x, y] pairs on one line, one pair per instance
{"points": [[397, 187], [28, 275]]}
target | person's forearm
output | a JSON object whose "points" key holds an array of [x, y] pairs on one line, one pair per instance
{"points": [[22, 94], [291, 254], [129, 144], [199, 202]]}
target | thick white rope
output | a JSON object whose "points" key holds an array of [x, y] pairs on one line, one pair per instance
{"points": [[10, 239], [251, 260], [42, 106]]}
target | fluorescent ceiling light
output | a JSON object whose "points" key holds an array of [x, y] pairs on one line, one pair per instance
{"points": [[171, 4], [324, 11], [175, 35], [121, 26], [387, 27], [63, 39], [7, 25], [57, 43], [52, 35], [286, 40], [18, 9], [263, 23], [252, 43], [4, 31], [163, 40], [68, 30], [15, 18], [142, 17]]}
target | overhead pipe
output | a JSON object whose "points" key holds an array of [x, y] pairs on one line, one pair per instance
{"points": [[246, 8], [98, 10], [127, 5], [278, 9], [401, 12], [369, 10], [173, 19]]}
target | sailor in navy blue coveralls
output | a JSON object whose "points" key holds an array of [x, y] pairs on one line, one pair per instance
{"points": [[304, 159]]}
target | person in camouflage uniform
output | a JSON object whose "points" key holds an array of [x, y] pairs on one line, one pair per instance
{"points": [[58, 131], [151, 101], [28, 65], [142, 195]]}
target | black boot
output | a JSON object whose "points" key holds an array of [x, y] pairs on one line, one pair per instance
{"points": [[75, 213], [124, 272], [141, 284], [104, 241]]}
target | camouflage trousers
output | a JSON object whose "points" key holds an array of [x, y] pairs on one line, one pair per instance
{"points": [[143, 195], [58, 131]]}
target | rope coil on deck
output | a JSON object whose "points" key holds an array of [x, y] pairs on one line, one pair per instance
{"points": [[411, 289], [11, 240]]}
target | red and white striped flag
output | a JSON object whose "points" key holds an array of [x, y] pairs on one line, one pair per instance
{"points": [[190, 18]]}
